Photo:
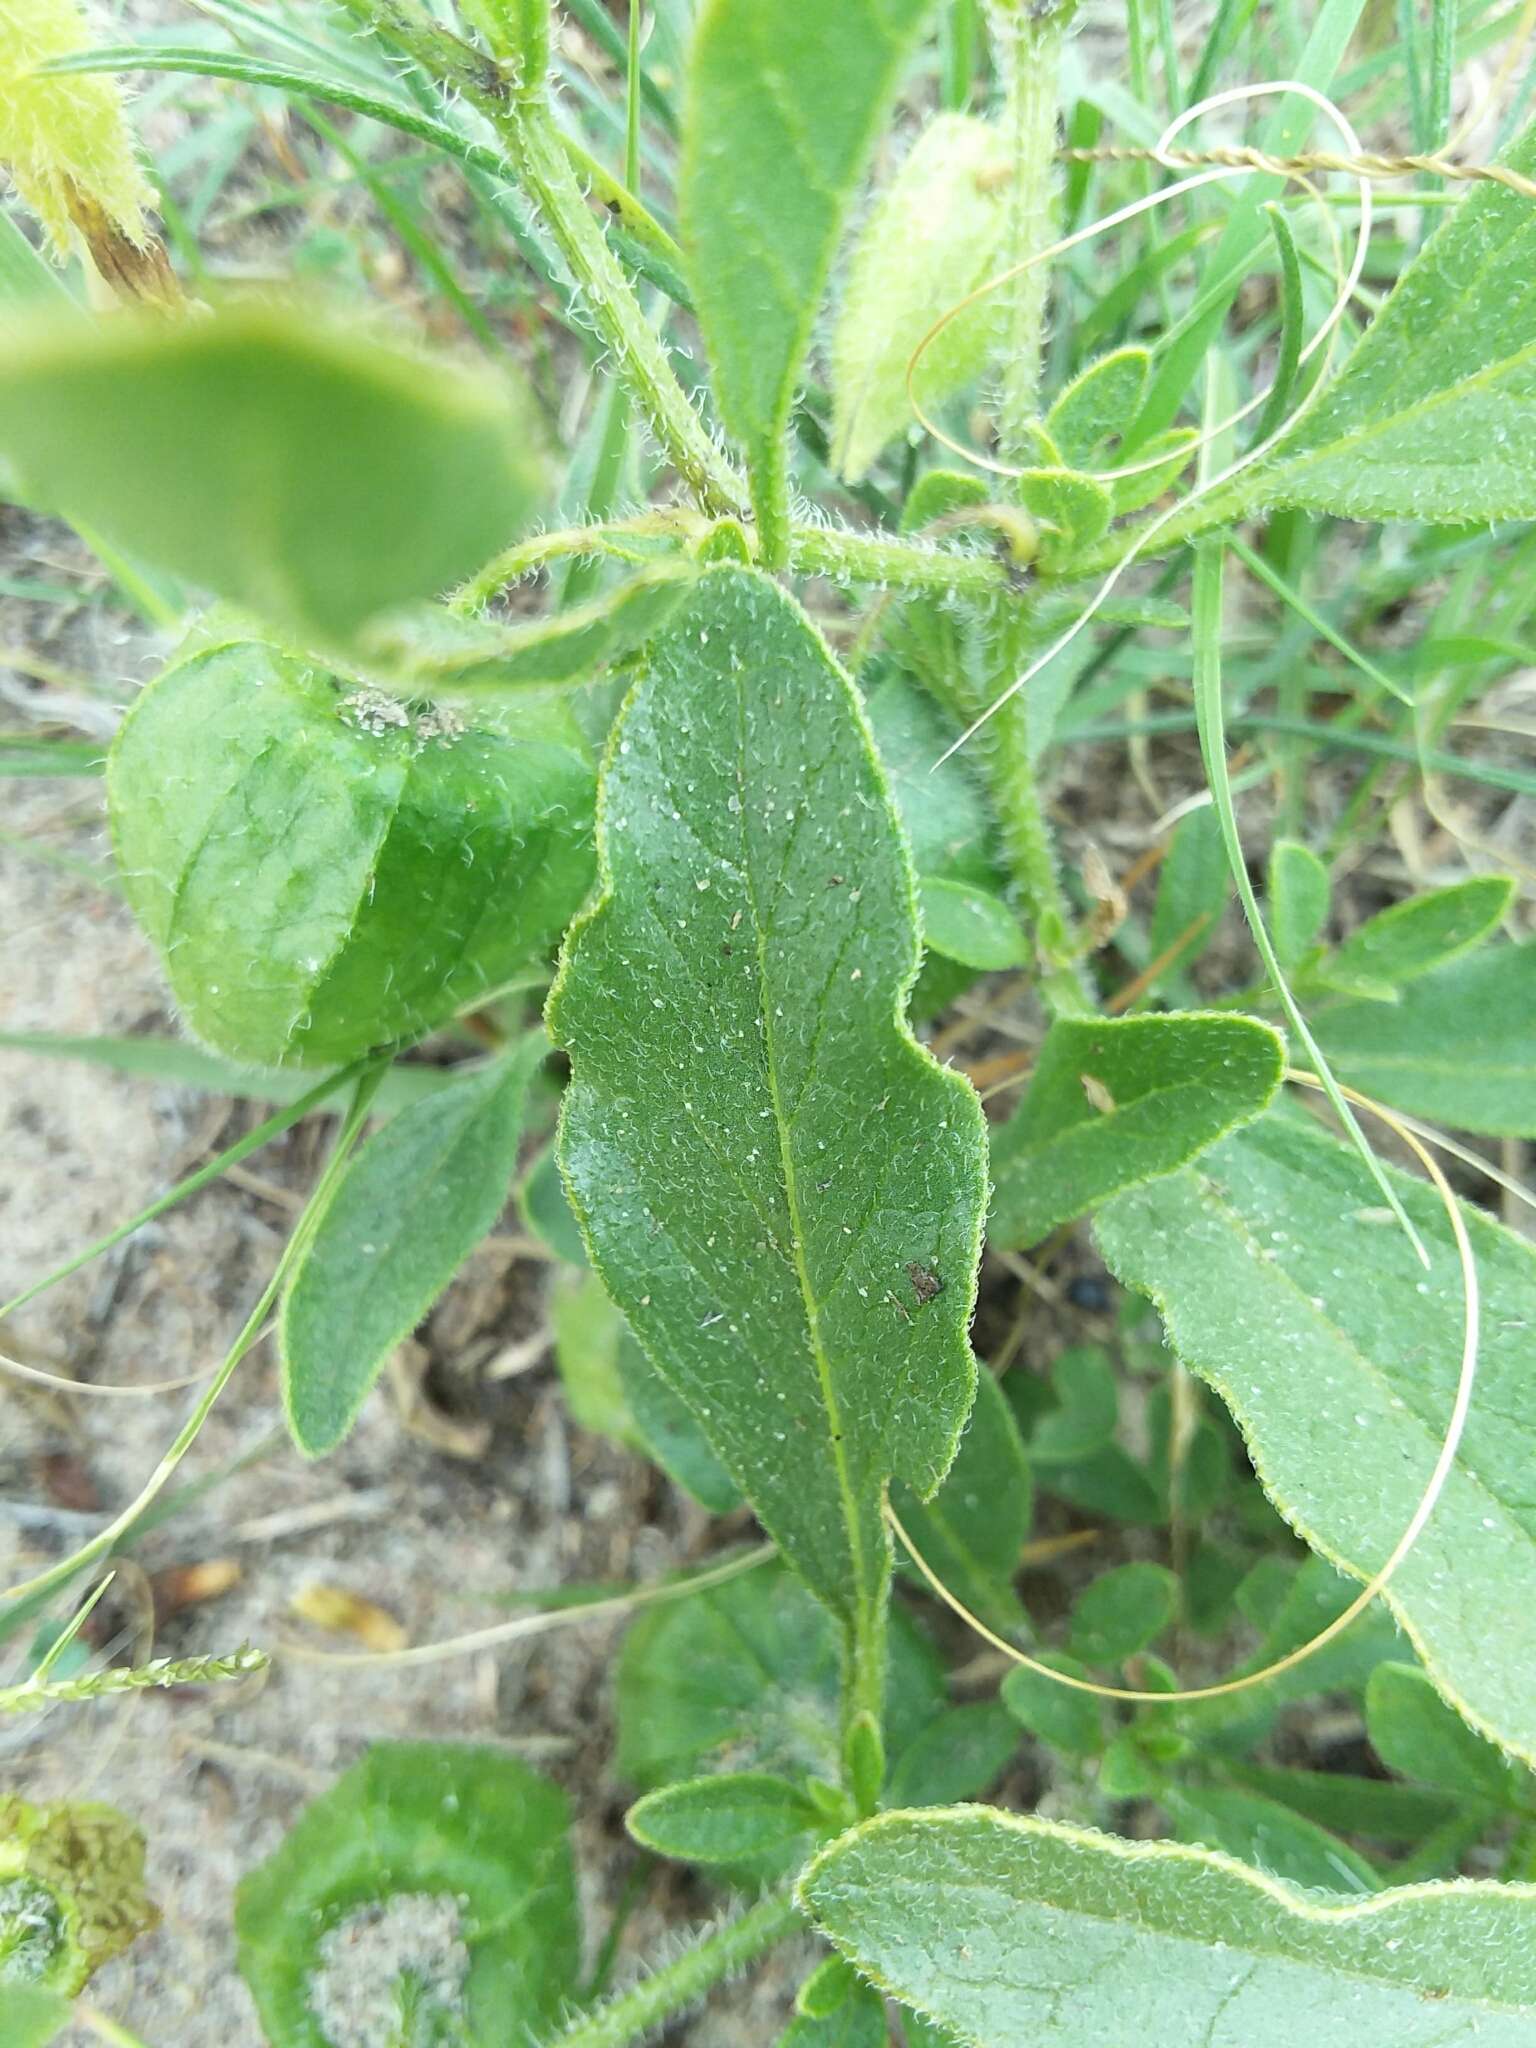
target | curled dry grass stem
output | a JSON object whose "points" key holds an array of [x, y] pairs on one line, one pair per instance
{"points": [[1380, 1579]]}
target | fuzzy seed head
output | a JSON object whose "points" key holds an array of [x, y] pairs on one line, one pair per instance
{"points": [[66, 140]]}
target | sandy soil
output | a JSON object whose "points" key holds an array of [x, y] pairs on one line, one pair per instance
{"points": [[432, 1538]]}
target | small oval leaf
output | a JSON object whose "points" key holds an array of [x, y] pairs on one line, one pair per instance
{"points": [[405, 1214], [724, 1819]]}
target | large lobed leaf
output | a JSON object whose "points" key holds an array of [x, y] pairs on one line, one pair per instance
{"points": [[785, 103], [781, 1190], [1289, 1289], [1012, 1930]]}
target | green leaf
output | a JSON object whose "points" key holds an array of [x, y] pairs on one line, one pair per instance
{"points": [[1192, 892], [440, 651], [935, 234], [973, 1529], [783, 111], [406, 1213], [858, 2021], [587, 1331], [1400, 944], [1114, 1102], [459, 1858], [959, 1755], [33, 2016], [1072, 510], [542, 1202], [1087, 1407], [325, 871], [723, 1819], [1299, 893], [1432, 416], [944, 809], [1012, 1930], [1414, 1732], [1267, 1835], [1360, 1806], [1456, 1047], [748, 1677], [1295, 1605], [1109, 1482], [173, 1060], [1099, 403], [30, 755], [1339, 1355], [1145, 486], [828, 1986], [671, 1433], [304, 473], [771, 1174], [971, 925], [1122, 1611], [1060, 1715], [748, 1673]]}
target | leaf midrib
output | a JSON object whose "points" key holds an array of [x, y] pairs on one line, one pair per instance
{"points": [[865, 1585]]}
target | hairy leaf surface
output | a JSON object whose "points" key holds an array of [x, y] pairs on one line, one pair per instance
{"points": [[1116, 1101], [1288, 1288], [1456, 1047], [780, 1189], [784, 101], [723, 1819], [324, 871], [1012, 1930], [934, 236], [1434, 415], [973, 1529], [1423, 932]]}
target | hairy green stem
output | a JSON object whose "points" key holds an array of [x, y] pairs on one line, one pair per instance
{"points": [[1027, 41], [540, 156], [837, 553], [1030, 852], [515, 106], [844, 556], [681, 1983]]}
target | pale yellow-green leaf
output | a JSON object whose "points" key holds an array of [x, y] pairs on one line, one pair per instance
{"points": [[934, 235]]}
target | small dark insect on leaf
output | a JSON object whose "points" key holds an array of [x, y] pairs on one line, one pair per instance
{"points": [[925, 1282]]}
